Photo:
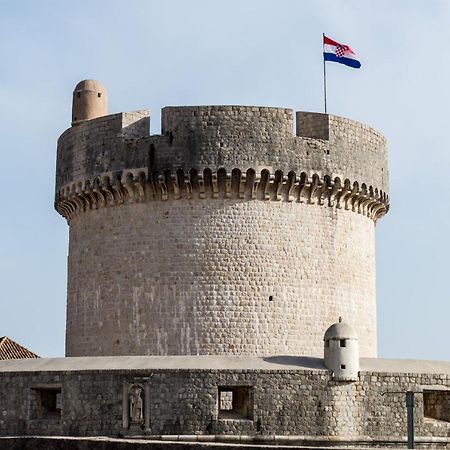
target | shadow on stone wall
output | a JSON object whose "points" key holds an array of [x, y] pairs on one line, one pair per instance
{"points": [[304, 362], [67, 443]]}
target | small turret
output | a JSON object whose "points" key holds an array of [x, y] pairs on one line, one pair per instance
{"points": [[341, 352], [90, 100]]}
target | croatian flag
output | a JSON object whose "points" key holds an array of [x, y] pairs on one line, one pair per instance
{"points": [[340, 53]]}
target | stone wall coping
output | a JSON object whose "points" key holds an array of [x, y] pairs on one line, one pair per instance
{"points": [[227, 108], [413, 366], [198, 362], [435, 387], [225, 363]]}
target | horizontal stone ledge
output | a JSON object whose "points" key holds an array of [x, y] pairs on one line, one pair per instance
{"points": [[211, 441], [137, 186], [328, 439]]}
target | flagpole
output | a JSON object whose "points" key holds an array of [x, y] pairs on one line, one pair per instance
{"points": [[324, 78]]}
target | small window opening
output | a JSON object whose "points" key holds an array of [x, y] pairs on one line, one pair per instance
{"points": [[328, 152], [235, 403], [78, 94], [151, 155], [99, 94], [327, 344], [436, 405], [170, 138], [46, 403], [270, 298], [342, 343], [343, 366]]}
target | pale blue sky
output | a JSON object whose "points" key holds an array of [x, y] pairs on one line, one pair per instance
{"points": [[155, 53]]}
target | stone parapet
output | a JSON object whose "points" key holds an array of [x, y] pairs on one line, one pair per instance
{"points": [[230, 151], [98, 146], [296, 405]]}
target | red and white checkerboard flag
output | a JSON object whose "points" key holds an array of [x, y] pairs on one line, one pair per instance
{"points": [[340, 53]]}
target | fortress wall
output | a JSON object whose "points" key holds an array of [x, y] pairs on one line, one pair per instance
{"points": [[226, 137], [196, 277], [353, 150], [303, 403], [97, 146], [263, 124], [262, 138], [190, 232]]}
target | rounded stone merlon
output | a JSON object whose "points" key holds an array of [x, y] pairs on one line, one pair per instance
{"points": [[341, 351], [90, 100]]}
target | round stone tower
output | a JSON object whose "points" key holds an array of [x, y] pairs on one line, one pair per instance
{"points": [[226, 234]]}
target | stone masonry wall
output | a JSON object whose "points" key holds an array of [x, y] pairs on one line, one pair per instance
{"points": [[225, 234], [97, 146], [101, 443], [185, 402], [223, 137], [220, 276]]}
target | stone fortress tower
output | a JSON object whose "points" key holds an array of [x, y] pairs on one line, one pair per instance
{"points": [[225, 235], [207, 268]]}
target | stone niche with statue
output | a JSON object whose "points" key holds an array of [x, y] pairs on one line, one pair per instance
{"points": [[136, 407]]}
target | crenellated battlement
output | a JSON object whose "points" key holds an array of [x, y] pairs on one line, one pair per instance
{"points": [[222, 151]]}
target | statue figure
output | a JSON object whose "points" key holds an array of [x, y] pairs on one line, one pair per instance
{"points": [[136, 405]]}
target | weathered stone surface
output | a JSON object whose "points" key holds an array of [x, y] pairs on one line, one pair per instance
{"points": [[218, 277], [224, 235], [301, 403], [66, 443]]}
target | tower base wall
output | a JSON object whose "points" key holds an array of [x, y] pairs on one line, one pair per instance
{"points": [[288, 400], [218, 276]]}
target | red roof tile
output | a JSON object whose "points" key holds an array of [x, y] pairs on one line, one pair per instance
{"points": [[12, 350]]}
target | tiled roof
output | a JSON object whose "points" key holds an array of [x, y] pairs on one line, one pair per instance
{"points": [[12, 350]]}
